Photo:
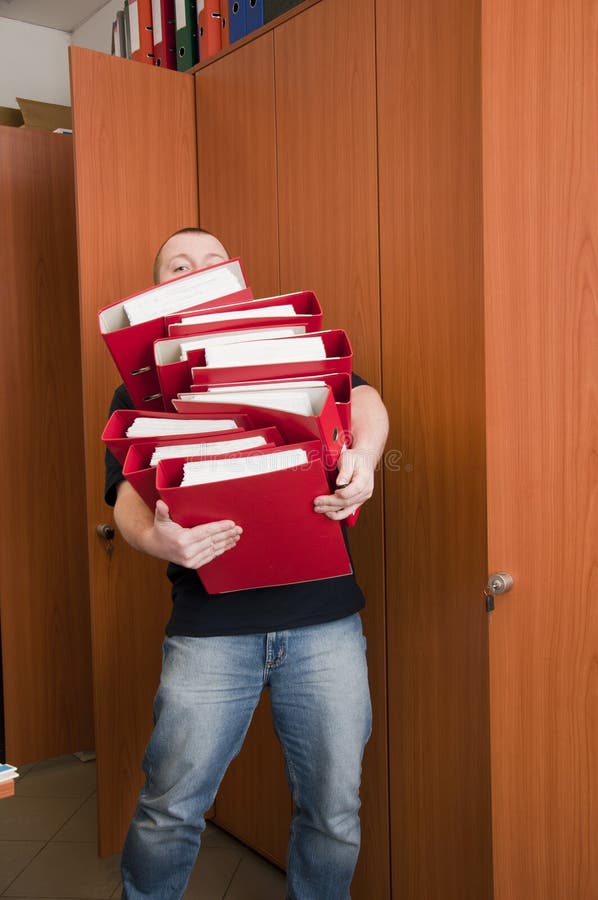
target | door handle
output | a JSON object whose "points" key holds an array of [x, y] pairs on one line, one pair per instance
{"points": [[105, 531], [500, 583]]}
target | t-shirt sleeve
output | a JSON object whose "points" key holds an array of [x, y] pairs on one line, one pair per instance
{"points": [[357, 380], [114, 471]]}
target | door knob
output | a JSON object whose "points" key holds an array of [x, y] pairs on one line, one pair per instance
{"points": [[500, 583], [105, 531]]}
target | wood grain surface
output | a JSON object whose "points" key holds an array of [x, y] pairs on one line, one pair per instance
{"points": [[136, 175], [43, 553]]}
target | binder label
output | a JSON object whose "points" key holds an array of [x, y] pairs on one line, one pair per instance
{"points": [[157, 21], [180, 14], [134, 25]]}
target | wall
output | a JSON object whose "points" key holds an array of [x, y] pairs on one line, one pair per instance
{"points": [[96, 33], [33, 63], [34, 59]]}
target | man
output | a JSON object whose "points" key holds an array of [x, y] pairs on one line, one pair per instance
{"points": [[303, 641]]}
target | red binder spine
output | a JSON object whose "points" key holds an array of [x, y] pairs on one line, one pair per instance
{"points": [[142, 44], [209, 28], [224, 24], [164, 33]]}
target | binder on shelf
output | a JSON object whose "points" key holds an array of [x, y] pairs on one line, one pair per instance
{"points": [[323, 424], [131, 346], [120, 46], [140, 23], [209, 28], [224, 24], [174, 373], [283, 542], [338, 358], [127, 29], [164, 25], [141, 473], [255, 14], [186, 34], [118, 442], [306, 310], [237, 20]]}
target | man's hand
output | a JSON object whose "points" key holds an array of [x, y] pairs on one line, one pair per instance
{"points": [[355, 485], [159, 536], [189, 547]]}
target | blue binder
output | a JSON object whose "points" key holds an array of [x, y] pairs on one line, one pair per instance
{"points": [[255, 14], [237, 19]]}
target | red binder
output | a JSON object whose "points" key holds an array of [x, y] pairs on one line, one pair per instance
{"points": [[224, 24], [209, 28], [283, 542], [115, 437], [164, 26], [142, 476], [324, 426], [131, 346], [305, 303], [174, 374], [142, 44], [339, 357], [339, 383]]}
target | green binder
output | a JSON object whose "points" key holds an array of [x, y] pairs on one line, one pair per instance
{"points": [[187, 42]]}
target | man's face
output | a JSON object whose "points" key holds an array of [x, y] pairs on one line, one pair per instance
{"points": [[186, 252]]}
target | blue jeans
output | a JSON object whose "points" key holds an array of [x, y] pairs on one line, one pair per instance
{"points": [[208, 692]]}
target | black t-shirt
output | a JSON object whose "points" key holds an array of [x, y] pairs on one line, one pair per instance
{"points": [[196, 613]]}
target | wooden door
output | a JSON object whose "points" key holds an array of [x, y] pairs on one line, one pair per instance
{"points": [[540, 116], [43, 552], [328, 228], [236, 151], [430, 165], [136, 182]]}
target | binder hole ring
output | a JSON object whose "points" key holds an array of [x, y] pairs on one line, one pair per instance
{"points": [[235, 8], [181, 51], [335, 434], [151, 397], [252, 3]]}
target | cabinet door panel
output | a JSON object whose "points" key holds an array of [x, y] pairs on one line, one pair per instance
{"points": [[236, 151], [429, 128], [328, 203], [136, 182], [43, 552]]}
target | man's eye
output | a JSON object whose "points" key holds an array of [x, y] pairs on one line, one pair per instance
{"points": [[181, 268]]}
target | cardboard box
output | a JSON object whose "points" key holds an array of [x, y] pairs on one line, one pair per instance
{"points": [[45, 116], [10, 116]]}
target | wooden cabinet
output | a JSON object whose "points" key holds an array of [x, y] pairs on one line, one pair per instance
{"points": [[43, 553], [134, 130], [428, 169]]}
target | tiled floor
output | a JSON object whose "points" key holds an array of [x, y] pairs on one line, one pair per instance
{"points": [[48, 845]]}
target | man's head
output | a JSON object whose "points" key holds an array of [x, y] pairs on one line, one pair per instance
{"points": [[187, 250]]}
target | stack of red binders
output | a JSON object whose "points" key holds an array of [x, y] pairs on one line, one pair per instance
{"points": [[243, 409]]}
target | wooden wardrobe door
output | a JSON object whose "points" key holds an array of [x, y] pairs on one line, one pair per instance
{"points": [[327, 190], [540, 117], [43, 551], [430, 163], [236, 149], [236, 156], [136, 182]]}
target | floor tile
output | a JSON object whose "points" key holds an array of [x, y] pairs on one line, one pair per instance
{"points": [[214, 869], [64, 870], [63, 776], [256, 879], [217, 837], [14, 857], [83, 826], [34, 818]]}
